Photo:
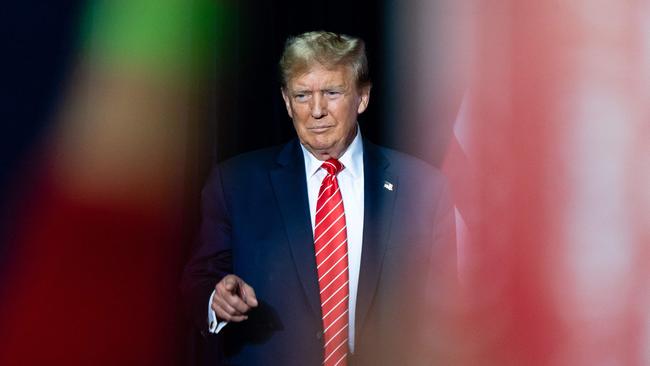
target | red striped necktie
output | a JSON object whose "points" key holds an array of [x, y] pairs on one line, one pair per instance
{"points": [[331, 245]]}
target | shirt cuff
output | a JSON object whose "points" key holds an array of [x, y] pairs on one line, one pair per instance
{"points": [[214, 326]]}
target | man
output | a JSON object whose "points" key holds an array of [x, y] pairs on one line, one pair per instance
{"points": [[329, 249]]}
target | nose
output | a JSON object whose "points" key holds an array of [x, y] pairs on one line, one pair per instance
{"points": [[318, 105]]}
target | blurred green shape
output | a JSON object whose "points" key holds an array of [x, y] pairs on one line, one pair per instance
{"points": [[182, 36]]}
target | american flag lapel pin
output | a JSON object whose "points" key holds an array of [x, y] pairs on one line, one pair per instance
{"points": [[388, 185]]}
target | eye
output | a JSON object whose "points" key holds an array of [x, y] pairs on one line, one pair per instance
{"points": [[301, 97], [332, 93]]}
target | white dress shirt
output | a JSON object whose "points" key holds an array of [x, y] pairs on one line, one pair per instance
{"points": [[351, 185]]}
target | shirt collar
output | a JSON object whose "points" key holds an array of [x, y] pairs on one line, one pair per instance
{"points": [[352, 158]]}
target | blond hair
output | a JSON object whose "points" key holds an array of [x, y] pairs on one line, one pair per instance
{"points": [[326, 49]]}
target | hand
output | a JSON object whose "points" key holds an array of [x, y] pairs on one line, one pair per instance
{"points": [[232, 299]]}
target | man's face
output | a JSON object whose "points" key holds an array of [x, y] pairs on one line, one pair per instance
{"points": [[324, 104]]}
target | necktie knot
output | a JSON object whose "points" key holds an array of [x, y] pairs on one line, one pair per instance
{"points": [[332, 166]]}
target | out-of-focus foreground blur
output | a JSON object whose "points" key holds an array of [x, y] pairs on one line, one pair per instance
{"points": [[94, 233], [538, 112]]}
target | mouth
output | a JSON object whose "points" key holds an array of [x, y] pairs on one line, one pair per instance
{"points": [[319, 129]]}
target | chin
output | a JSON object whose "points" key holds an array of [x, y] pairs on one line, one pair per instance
{"points": [[320, 148], [321, 144]]}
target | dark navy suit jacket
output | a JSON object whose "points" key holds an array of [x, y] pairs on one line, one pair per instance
{"points": [[256, 224]]}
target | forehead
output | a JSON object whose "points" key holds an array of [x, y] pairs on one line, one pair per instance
{"points": [[318, 76]]}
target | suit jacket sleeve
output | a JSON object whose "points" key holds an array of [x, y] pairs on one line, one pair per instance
{"points": [[211, 260]]}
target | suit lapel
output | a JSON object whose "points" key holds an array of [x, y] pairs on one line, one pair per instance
{"points": [[380, 188], [290, 187]]}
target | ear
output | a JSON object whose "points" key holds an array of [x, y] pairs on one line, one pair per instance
{"points": [[364, 93], [287, 102]]}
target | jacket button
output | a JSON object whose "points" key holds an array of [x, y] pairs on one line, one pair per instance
{"points": [[319, 335]]}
